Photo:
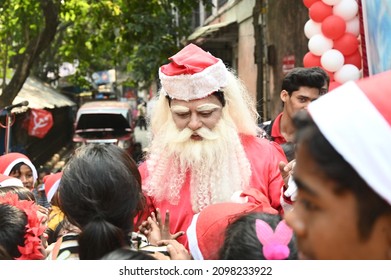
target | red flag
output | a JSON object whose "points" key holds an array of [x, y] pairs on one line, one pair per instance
{"points": [[41, 121]]}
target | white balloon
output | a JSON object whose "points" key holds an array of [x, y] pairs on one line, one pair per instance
{"points": [[332, 60], [319, 44], [348, 72], [331, 2], [353, 26], [312, 28], [346, 9]]}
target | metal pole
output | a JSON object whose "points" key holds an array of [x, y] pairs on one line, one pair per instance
{"points": [[8, 120]]}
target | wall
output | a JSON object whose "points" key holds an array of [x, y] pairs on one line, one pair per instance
{"points": [[285, 20], [247, 68]]}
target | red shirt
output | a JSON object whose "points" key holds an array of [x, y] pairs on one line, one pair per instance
{"points": [[276, 132]]}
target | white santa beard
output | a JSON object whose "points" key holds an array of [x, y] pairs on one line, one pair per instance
{"points": [[217, 165]]}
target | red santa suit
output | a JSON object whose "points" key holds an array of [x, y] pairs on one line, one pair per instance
{"points": [[264, 157], [194, 74]]}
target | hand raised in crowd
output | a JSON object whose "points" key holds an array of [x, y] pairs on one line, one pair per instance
{"points": [[175, 250], [286, 170], [155, 229]]}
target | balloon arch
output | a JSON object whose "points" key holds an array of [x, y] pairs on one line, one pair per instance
{"points": [[333, 31]]}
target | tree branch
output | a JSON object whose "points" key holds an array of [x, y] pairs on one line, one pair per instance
{"points": [[35, 47]]}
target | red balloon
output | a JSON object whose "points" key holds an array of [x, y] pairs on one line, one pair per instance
{"points": [[333, 85], [354, 59], [347, 44], [333, 27], [308, 3], [311, 60], [319, 11]]}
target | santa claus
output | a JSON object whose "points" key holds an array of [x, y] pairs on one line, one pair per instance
{"points": [[204, 144]]}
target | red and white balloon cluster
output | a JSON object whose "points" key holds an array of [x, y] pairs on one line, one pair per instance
{"points": [[333, 32]]}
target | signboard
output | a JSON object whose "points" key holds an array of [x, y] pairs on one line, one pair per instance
{"points": [[288, 63]]}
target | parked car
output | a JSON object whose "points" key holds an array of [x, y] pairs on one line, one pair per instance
{"points": [[107, 122]]}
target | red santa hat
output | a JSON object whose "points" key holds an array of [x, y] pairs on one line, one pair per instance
{"points": [[51, 183], [356, 119], [8, 181], [8, 161], [207, 230], [193, 74]]}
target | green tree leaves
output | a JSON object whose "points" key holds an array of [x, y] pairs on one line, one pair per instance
{"points": [[134, 36]]}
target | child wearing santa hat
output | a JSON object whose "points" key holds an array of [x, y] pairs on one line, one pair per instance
{"points": [[343, 204], [56, 222], [19, 166], [258, 236], [206, 233]]}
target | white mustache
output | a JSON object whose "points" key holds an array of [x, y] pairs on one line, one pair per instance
{"points": [[204, 132]]}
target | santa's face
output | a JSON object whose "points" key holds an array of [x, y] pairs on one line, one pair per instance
{"points": [[200, 137], [196, 114]]}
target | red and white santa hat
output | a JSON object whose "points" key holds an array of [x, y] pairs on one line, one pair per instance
{"points": [[206, 232], [8, 181], [356, 119], [193, 74], [51, 183], [8, 161]]}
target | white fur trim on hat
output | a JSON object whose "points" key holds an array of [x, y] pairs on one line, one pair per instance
{"points": [[25, 161], [192, 238], [199, 85], [7, 181], [53, 190], [359, 132]]}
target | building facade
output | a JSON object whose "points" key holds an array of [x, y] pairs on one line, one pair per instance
{"points": [[260, 39]]}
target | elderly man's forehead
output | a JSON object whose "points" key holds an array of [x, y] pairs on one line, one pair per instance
{"points": [[210, 102]]}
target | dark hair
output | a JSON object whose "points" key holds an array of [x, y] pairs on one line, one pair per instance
{"points": [[302, 77], [241, 241], [12, 229], [22, 192], [127, 254], [370, 205], [289, 150], [323, 72], [4, 254], [16, 167], [142, 203], [44, 169], [100, 193]]}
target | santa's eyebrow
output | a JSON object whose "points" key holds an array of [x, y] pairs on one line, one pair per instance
{"points": [[180, 109], [208, 106]]}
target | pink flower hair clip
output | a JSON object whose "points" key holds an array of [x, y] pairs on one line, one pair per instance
{"points": [[275, 243], [34, 227]]}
